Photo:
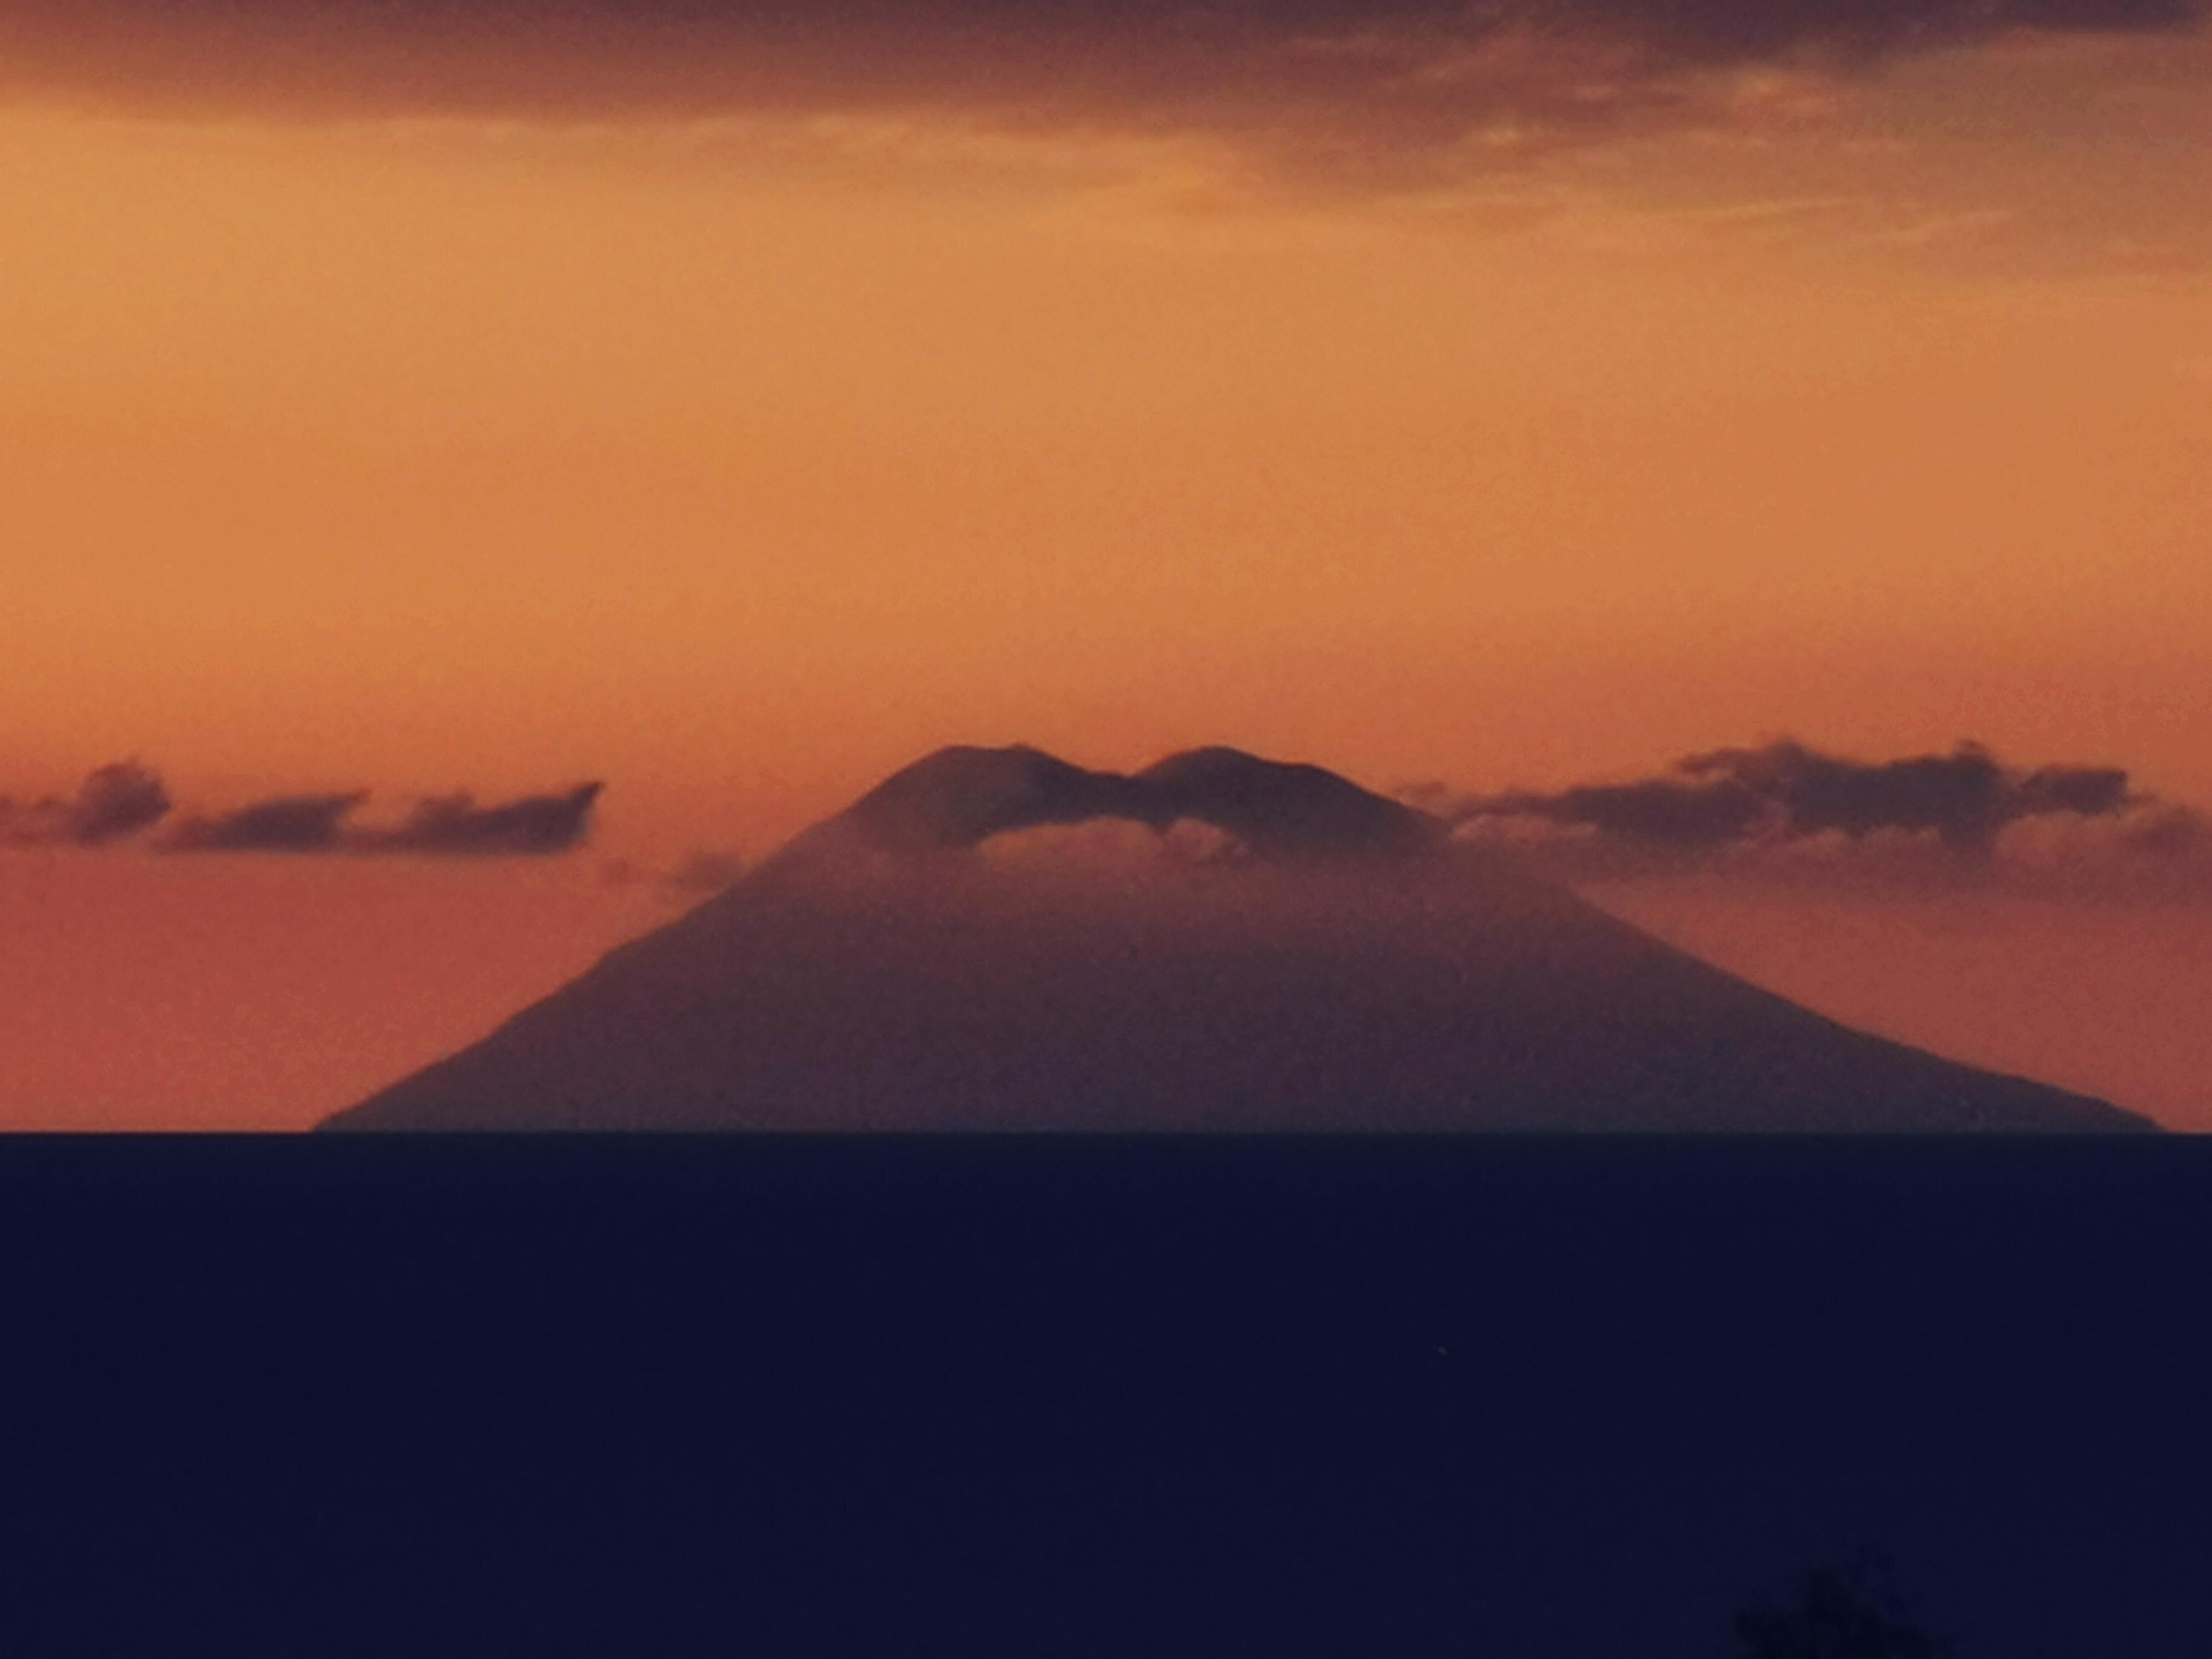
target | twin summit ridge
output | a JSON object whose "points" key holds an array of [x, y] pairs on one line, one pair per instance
{"points": [[959, 798], [1296, 954]]}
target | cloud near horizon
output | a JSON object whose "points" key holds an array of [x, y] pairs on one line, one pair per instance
{"points": [[288, 824], [456, 826], [115, 802], [118, 805], [1783, 809], [1332, 86], [444, 826]]}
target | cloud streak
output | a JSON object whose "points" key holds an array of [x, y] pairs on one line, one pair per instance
{"points": [[118, 805], [288, 823], [1786, 809], [446, 826], [454, 826]]}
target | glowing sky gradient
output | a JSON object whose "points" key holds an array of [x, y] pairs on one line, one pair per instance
{"points": [[732, 403]]}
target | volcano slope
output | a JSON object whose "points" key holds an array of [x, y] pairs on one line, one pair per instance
{"points": [[994, 940]]}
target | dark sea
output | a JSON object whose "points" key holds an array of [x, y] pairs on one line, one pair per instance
{"points": [[1517, 1399]]}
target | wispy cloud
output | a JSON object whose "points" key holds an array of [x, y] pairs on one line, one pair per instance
{"points": [[705, 872]]}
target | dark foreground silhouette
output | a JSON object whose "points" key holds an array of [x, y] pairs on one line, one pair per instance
{"points": [[1327, 959], [1847, 1612], [642, 1397]]}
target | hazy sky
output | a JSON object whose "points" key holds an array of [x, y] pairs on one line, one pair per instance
{"points": [[729, 404]]}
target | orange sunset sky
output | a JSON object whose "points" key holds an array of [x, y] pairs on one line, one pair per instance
{"points": [[732, 403]]}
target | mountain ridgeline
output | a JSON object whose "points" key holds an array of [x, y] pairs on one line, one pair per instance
{"points": [[1276, 950]]}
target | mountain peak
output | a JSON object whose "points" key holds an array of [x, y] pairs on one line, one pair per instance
{"points": [[1281, 806], [1325, 982], [961, 796]]}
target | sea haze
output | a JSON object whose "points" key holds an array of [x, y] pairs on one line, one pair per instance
{"points": [[970, 1397]]}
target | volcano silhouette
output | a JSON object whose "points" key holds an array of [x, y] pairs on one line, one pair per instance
{"points": [[1293, 954]]}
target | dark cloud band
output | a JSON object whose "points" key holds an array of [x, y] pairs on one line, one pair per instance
{"points": [[1731, 27], [1409, 71]]}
